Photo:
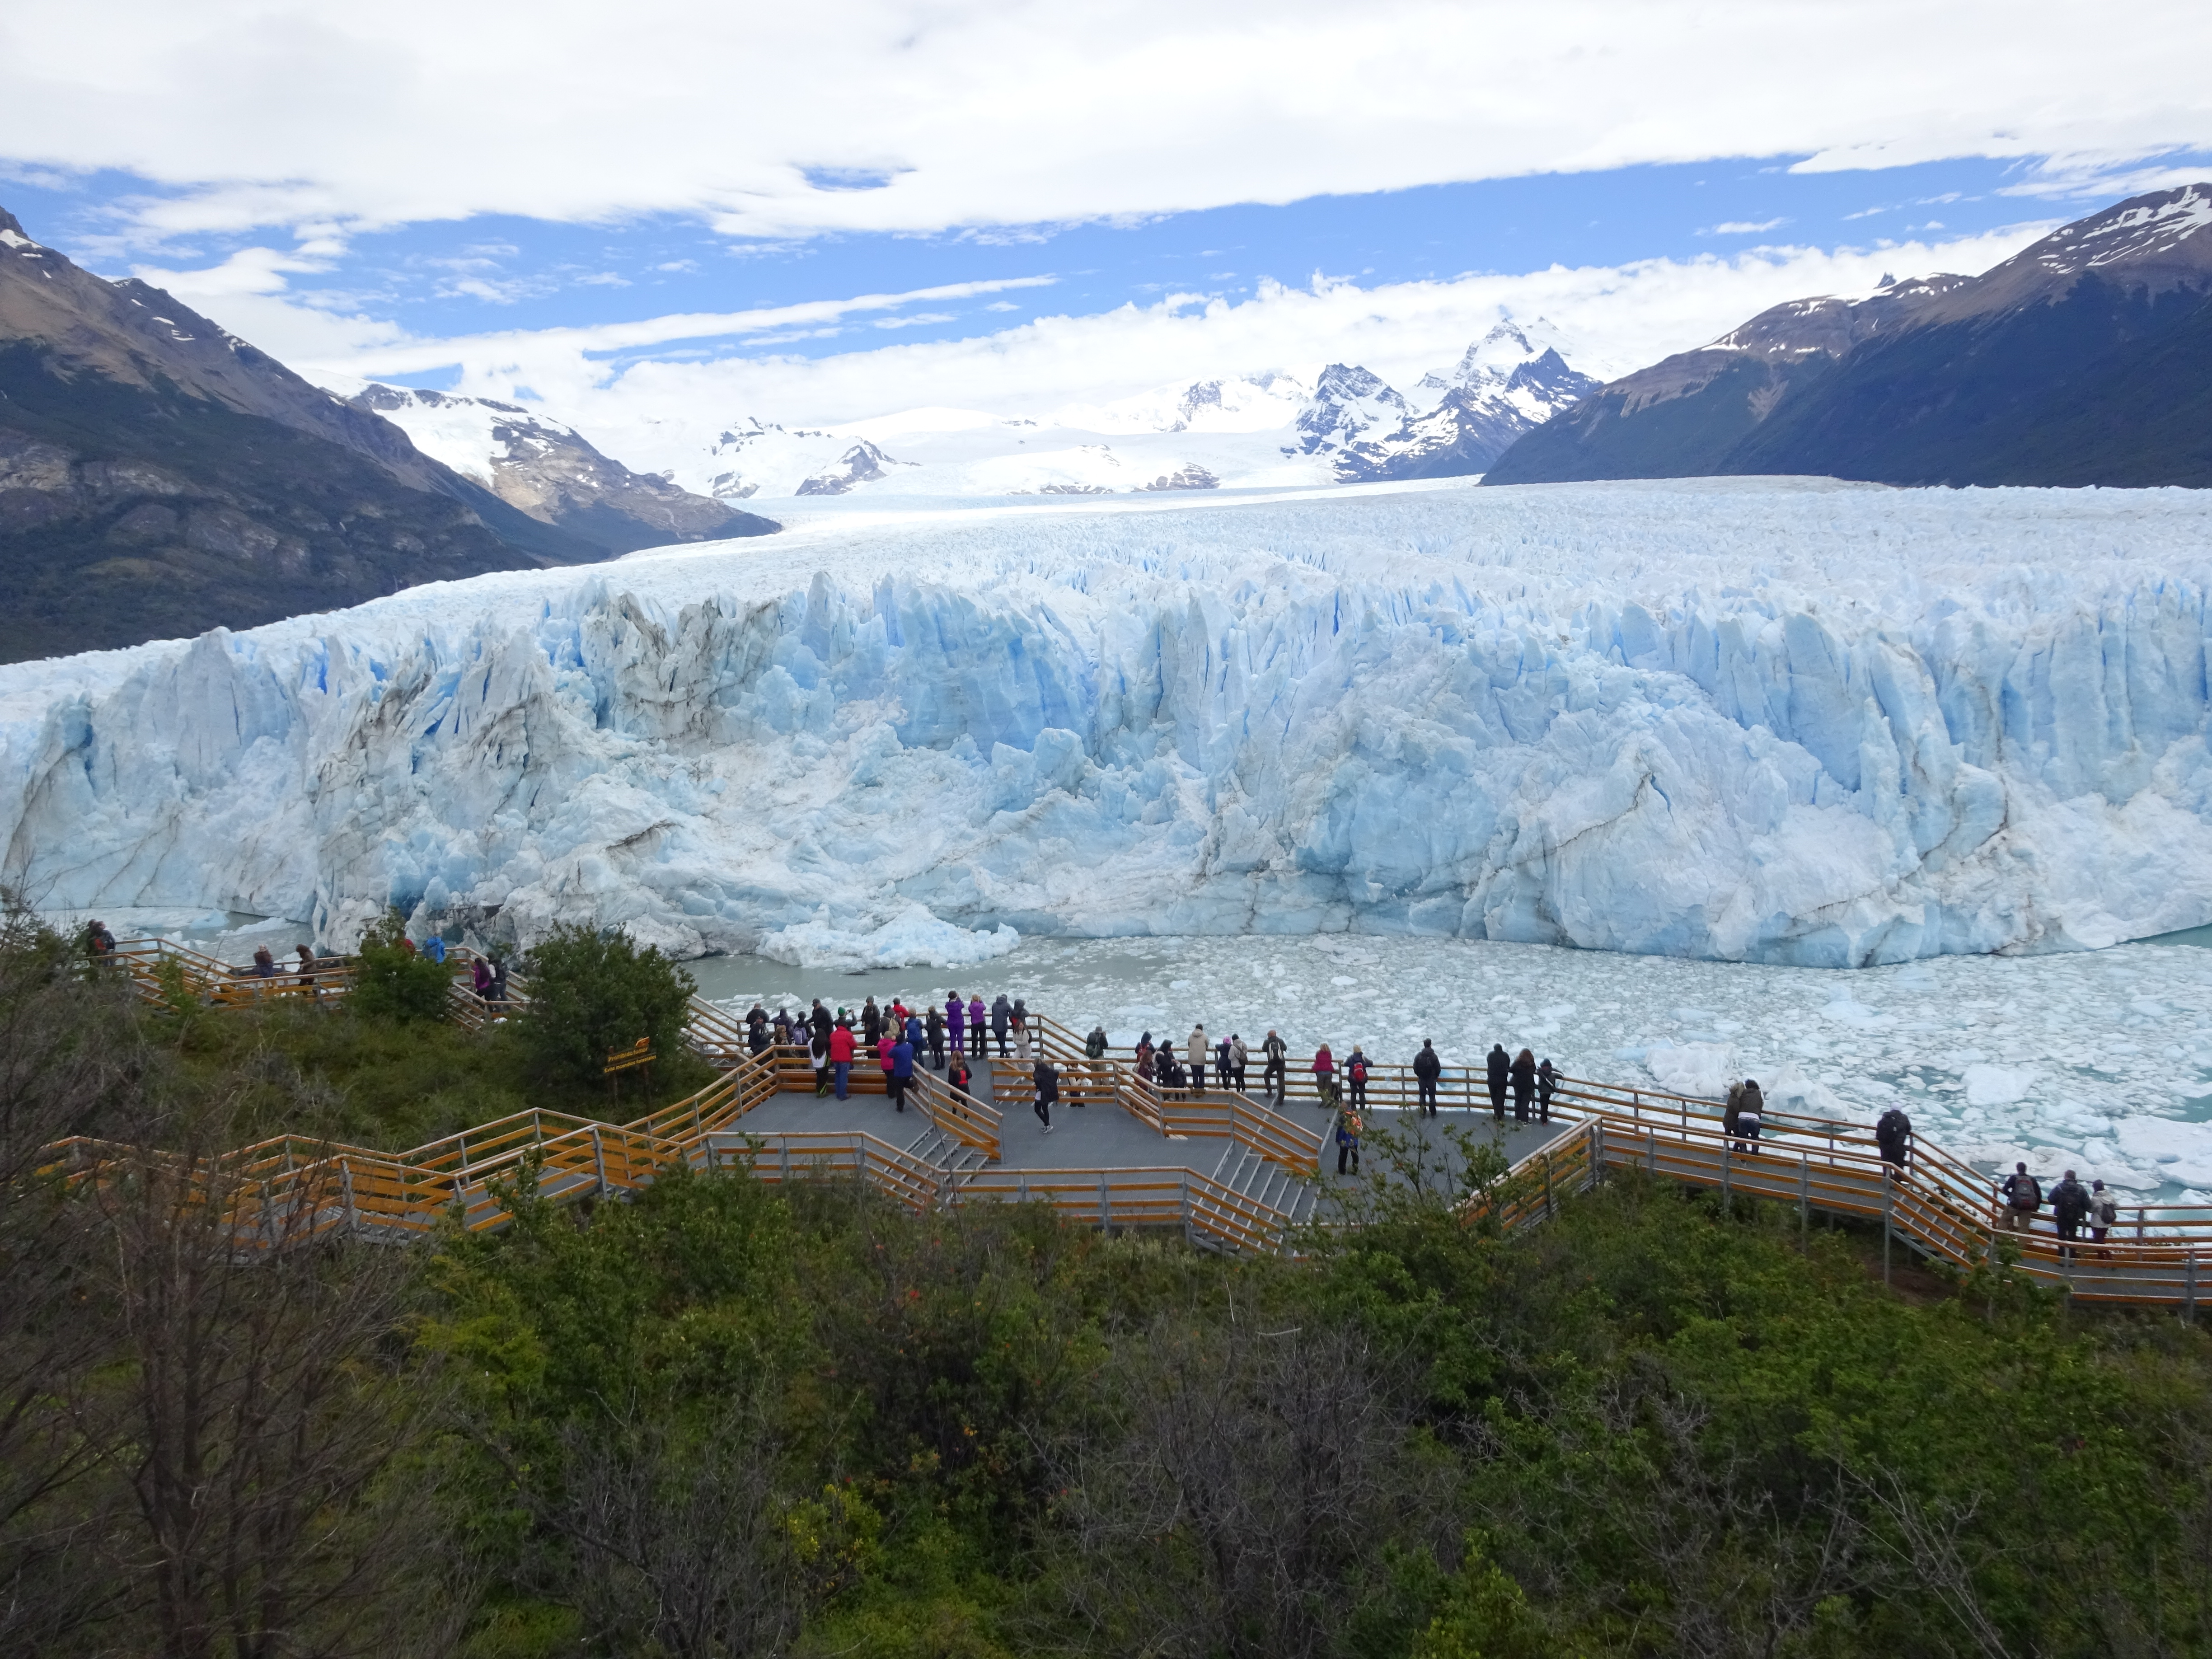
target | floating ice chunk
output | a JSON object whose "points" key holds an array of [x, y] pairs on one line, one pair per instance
{"points": [[1998, 1086], [1689, 1068], [2180, 1151], [914, 938], [1845, 1010]]}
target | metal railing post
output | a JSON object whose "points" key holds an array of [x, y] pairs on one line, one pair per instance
{"points": [[1889, 1197], [1597, 1150], [1105, 1203], [345, 1180], [599, 1159], [1728, 1198], [2189, 1298]]}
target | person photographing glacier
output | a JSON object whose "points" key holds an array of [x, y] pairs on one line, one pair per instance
{"points": [[1047, 1082]]}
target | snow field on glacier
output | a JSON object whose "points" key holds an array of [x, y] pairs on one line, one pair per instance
{"points": [[2100, 1061], [1779, 720]]}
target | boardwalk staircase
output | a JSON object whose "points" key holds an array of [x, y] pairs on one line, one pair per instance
{"points": [[1260, 1190]]}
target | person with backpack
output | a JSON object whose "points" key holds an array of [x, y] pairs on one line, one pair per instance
{"points": [[2069, 1203], [1349, 1127], [97, 941], [1500, 1073], [1355, 1077], [1002, 1020], [1523, 1075], [1893, 1135], [1427, 1068], [1195, 1051], [1751, 1108], [1239, 1057], [2023, 1197], [1547, 1080], [1277, 1071], [1094, 1046], [902, 1071], [2104, 1215], [1145, 1056], [1048, 1090], [841, 1056]]}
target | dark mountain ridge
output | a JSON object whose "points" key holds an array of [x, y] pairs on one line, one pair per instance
{"points": [[2086, 359], [160, 476]]}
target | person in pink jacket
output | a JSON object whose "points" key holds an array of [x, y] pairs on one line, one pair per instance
{"points": [[975, 1013]]}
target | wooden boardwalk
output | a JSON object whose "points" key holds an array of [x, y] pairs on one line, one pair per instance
{"points": [[1231, 1171]]}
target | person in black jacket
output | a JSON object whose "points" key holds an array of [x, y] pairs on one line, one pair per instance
{"points": [[871, 1023], [1892, 1134], [936, 1030], [2023, 1197], [2069, 1203], [1524, 1085], [1048, 1090], [1547, 1080], [756, 1029], [1427, 1068], [1002, 1018], [1501, 1070]]}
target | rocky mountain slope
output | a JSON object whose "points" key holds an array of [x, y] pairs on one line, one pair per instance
{"points": [[159, 476], [550, 472], [2086, 359], [1338, 424]]}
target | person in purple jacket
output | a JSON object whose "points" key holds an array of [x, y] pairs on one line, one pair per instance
{"points": [[976, 1012], [956, 1021]]}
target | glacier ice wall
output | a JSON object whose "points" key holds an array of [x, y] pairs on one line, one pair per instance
{"points": [[1765, 720]]}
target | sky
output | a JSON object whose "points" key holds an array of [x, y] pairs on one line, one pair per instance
{"points": [[660, 220]]}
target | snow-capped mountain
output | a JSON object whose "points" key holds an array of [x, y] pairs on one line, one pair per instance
{"points": [[1333, 423], [2082, 360], [552, 472], [159, 476]]}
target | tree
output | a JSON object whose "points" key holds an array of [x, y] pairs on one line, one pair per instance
{"points": [[592, 992], [68, 1054], [250, 1413], [392, 982]]}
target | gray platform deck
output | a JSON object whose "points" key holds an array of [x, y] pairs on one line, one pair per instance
{"points": [[1107, 1137]]}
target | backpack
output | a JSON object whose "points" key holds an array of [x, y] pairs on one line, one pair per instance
{"points": [[1358, 1073]]}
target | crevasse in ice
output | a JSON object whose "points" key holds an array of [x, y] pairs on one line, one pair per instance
{"points": [[1769, 721]]}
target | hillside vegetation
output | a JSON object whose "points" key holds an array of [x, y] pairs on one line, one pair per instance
{"points": [[729, 1419]]}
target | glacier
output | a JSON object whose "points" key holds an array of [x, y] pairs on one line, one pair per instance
{"points": [[1771, 721]]}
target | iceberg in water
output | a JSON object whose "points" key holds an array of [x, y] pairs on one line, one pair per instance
{"points": [[913, 939], [1772, 720]]}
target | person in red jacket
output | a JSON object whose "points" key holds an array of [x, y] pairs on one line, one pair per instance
{"points": [[1324, 1073], [840, 1054]]}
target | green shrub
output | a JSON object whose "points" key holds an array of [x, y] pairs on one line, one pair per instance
{"points": [[391, 981], [591, 992]]}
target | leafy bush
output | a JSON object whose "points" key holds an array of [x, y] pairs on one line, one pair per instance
{"points": [[591, 992], [391, 981]]}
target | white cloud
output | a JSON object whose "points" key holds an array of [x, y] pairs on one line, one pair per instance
{"points": [[1742, 228], [655, 410], [992, 115]]}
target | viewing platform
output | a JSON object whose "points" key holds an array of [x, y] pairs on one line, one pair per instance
{"points": [[1231, 1171]]}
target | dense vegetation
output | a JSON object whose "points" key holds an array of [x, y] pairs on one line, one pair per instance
{"points": [[724, 1419]]}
